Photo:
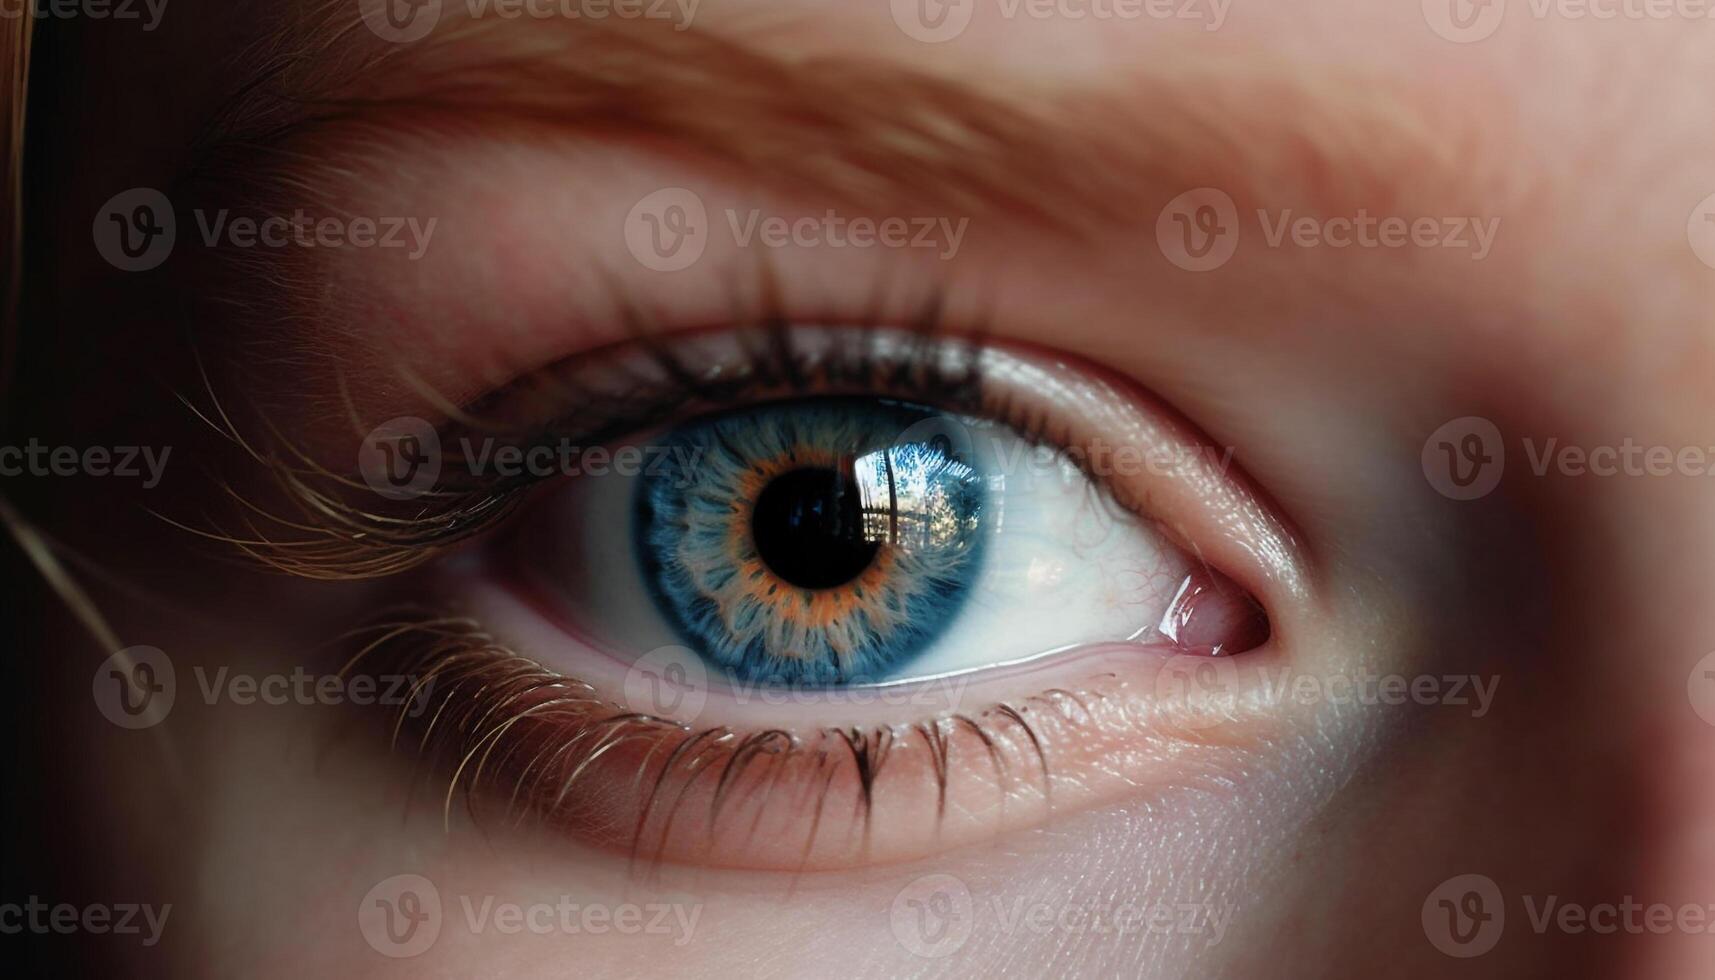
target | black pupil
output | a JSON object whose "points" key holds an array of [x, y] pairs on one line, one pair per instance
{"points": [[808, 528]]}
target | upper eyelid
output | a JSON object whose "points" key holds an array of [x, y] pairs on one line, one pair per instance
{"points": [[1213, 515], [354, 535], [770, 360], [327, 524]]}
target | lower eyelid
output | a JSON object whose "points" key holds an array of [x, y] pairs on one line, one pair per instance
{"points": [[518, 738], [533, 629]]}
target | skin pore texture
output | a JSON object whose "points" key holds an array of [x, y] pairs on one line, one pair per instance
{"points": [[1285, 830]]}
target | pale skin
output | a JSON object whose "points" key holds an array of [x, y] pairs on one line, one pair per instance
{"points": [[1304, 840]]}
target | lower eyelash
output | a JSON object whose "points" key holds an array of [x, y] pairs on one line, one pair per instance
{"points": [[502, 727]]}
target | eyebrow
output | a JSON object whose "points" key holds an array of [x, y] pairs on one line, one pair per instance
{"points": [[1091, 166], [870, 133]]}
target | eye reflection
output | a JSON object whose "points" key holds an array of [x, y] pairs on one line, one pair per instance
{"points": [[912, 496], [808, 548]]}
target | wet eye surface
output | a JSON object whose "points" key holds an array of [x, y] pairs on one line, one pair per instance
{"points": [[806, 544], [842, 541], [825, 622]]}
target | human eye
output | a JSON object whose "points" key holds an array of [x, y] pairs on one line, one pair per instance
{"points": [[820, 595], [843, 540]]}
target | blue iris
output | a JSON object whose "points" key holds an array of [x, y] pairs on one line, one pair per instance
{"points": [[812, 543]]}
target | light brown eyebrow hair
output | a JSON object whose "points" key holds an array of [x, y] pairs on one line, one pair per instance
{"points": [[871, 133], [327, 108]]}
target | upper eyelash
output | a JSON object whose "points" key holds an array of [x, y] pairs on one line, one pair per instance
{"points": [[335, 529], [773, 363]]}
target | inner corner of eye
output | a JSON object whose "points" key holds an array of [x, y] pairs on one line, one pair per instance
{"points": [[841, 541]]}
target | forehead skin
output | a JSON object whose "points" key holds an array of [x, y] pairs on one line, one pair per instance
{"points": [[1584, 141]]}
